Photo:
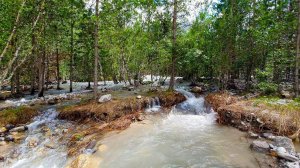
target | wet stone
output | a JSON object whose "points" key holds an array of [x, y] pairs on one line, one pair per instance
{"points": [[9, 126], [9, 138], [3, 130], [285, 142], [260, 146], [19, 129], [2, 158], [252, 135]]}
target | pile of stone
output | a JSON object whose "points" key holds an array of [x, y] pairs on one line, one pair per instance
{"points": [[277, 146], [10, 133]]}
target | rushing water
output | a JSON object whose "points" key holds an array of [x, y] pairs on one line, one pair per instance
{"points": [[45, 129], [187, 137]]}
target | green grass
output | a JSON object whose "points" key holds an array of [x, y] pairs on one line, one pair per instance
{"points": [[272, 102], [18, 115]]}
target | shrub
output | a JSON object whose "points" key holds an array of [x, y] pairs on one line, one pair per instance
{"points": [[267, 88]]}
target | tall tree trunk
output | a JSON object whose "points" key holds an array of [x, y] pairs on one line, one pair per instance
{"points": [[33, 65], [174, 31], [96, 51], [42, 74], [57, 69], [42, 60], [13, 31], [72, 56], [17, 78], [298, 55]]}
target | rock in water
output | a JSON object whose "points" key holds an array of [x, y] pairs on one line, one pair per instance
{"points": [[3, 130], [33, 142], [260, 146], [50, 145], [105, 98], [9, 126], [282, 153], [139, 97], [196, 89], [252, 135], [285, 142], [9, 138], [268, 135], [19, 129]]}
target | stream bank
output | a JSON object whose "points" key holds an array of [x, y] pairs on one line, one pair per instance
{"points": [[270, 124]]}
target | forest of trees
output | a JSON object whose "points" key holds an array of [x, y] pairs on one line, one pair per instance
{"points": [[253, 41]]}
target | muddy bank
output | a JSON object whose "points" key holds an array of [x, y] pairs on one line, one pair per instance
{"points": [[116, 108], [267, 120], [96, 119], [253, 115]]}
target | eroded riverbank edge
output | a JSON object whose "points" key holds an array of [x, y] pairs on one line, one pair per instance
{"points": [[94, 120], [270, 131]]}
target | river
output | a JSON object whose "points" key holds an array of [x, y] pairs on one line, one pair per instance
{"points": [[188, 136]]}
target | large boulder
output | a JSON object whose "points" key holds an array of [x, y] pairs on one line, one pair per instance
{"points": [[260, 146], [105, 98]]}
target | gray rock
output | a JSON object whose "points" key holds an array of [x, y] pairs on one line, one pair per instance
{"points": [[252, 135], [285, 142], [268, 135], [291, 165], [9, 138], [19, 129], [105, 98], [283, 153], [9, 126], [260, 146], [2, 139], [51, 101], [91, 145]]}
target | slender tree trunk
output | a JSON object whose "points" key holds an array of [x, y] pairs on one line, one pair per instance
{"points": [[33, 65], [72, 56], [96, 51], [57, 69], [42, 74], [17, 78], [174, 31], [298, 55], [47, 71], [13, 31], [42, 60]]}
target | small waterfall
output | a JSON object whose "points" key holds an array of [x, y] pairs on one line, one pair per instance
{"points": [[43, 146], [153, 105], [186, 93]]}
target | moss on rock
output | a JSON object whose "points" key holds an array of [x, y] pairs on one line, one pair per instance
{"points": [[17, 115]]}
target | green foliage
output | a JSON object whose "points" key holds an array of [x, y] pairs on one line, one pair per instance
{"points": [[267, 88]]}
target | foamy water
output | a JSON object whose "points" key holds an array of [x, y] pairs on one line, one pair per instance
{"points": [[187, 137]]}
